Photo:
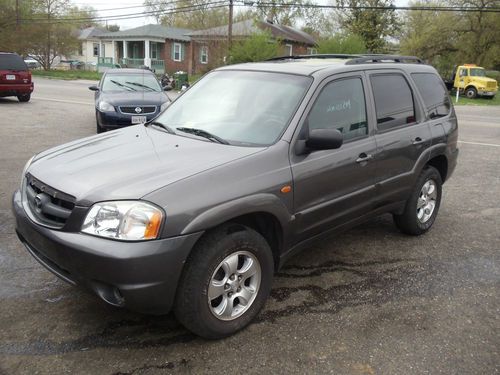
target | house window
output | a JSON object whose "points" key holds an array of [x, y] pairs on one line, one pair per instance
{"points": [[312, 51], [177, 52], [289, 49], [103, 52], [80, 49], [135, 51], [204, 55], [95, 47], [155, 50]]}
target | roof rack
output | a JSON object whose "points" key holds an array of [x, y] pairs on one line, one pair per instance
{"points": [[367, 59], [316, 56], [356, 59]]}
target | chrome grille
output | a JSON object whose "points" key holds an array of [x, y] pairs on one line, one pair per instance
{"points": [[491, 85], [131, 110], [48, 205]]}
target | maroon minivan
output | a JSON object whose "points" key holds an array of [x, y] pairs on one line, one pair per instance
{"points": [[15, 77]]}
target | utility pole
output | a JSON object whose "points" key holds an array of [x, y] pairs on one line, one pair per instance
{"points": [[17, 15], [230, 26]]}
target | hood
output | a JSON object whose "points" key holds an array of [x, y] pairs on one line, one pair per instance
{"points": [[127, 98], [484, 80], [128, 163]]}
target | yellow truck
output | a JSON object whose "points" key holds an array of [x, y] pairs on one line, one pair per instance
{"points": [[470, 80]]}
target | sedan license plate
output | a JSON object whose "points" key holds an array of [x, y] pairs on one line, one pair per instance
{"points": [[10, 77], [139, 119]]}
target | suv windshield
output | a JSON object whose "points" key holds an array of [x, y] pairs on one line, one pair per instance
{"points": [[476, 72], [241, 107], [11, 61], [130, 82]]}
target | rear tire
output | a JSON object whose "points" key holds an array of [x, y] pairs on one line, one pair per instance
{"points": [[423, 205], [24, 98], [471, 93], [225, 283]]}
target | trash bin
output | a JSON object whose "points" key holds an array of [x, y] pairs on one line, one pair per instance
{"points": [[181, 79]]}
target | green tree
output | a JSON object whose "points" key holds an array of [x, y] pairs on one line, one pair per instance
{"points": [[374, 26], [44, 29], [190, 14], [450, 38], [342, 43], [258, 47]]}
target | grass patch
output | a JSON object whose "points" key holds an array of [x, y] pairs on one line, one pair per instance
{"points": [[462, 100], [67, 74]]}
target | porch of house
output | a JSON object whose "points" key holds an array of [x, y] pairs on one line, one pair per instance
{"points": [[136, 53]]}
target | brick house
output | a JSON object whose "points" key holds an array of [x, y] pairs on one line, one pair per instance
{"points": [[209, 47], [172, 49]]}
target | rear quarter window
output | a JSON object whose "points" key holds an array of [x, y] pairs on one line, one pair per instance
{"points": [[436, 99], [12, 62], [393, 101]]}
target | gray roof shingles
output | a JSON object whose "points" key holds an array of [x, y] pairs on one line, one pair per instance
{"points": [[248, 27], [151, 31]]}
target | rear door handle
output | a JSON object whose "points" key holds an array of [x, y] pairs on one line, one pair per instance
{"points": [[418, 141], [363, 157]]}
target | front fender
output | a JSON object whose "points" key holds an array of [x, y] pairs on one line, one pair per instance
{"points": [[263, 202]]}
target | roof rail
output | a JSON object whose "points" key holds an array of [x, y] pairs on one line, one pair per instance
{"points": [[356, 59], [316, 56], [370, 59]]}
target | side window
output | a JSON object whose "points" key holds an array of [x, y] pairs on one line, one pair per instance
{"points": [[393, 101], [463, 72], [434, 94], [341, 105]]}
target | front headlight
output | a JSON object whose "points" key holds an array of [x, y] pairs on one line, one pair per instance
{"points": [[164, 106], [106, 107], [124, 220], [25, 169]]}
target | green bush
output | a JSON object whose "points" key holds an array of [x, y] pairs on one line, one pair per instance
{"points": [[258, 47], [342, 43]]}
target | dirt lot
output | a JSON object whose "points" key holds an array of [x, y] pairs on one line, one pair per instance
{"points": [[370, 301]]}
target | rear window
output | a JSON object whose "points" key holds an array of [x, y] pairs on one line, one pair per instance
{"points": [[393, 101], [434, 94], [10, 61]]}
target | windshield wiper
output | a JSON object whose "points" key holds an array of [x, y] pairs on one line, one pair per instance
{"points": [[122, 85], [161, 125], [204, 134], [141, 85]]}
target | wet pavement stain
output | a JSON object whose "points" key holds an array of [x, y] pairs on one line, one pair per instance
{"points": [[381, 282], [166, 366]]}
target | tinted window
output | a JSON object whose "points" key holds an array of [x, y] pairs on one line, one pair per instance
{"points": [[10, 61], [341, 105], [434, 94], [393, 101]]}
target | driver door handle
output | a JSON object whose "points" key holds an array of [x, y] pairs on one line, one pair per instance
{"points": [[363, 157], [418, 141]]}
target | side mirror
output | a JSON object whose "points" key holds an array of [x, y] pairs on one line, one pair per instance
{"points": [[324, 139], [93, 88], [167, 88]]}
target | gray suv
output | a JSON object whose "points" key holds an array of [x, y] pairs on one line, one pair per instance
{"points": [[197, 209]]}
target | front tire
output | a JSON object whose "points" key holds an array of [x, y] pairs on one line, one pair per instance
{"points": [[423, 205], [225, 283], [471, 93]]}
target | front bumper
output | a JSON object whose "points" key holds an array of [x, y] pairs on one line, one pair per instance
{"points": [[487, 92], [141, 276], [115, 120]]}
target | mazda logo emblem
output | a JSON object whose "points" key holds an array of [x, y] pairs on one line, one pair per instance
{"points": [[138, 110], [38, 202]]}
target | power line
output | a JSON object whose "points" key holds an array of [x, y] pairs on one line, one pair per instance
{"points": [[185, 9], [362, 7]]}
